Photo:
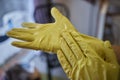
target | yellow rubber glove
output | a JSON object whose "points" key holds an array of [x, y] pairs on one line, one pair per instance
{"points": [[87, 58], [44, 37]]}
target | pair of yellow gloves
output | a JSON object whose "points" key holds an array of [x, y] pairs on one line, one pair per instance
{"points": [[82, 57]]}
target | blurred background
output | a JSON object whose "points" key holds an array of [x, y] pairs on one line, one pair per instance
{"points": [[98, 18]]}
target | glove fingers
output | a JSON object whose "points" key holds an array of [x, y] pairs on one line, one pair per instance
{"points": [[30, 25], [31, 31], [59, 17], [82, 44], [56, 14], [27, 45], [26, 37], [73, 45], [15, 33], [33, 26], [68, 53], [64, 62], [18, 35]]}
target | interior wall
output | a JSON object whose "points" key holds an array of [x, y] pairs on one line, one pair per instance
{"points": [[80, 15]]}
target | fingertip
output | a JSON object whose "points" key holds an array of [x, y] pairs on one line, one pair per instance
{"points": [[54, 10], [29, 25], [24, 24], [108, 44], [14, 42], [58, 52], [55, 13], [8, 33], [74, 33]]}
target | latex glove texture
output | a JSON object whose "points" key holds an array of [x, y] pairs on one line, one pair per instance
{"points": [[87, 58], [44, 37]]}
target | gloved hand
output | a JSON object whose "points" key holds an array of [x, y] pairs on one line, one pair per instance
{"points": [[87, 58], [44, 37]]}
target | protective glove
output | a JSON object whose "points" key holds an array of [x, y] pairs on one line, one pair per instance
{"points": [[87, 58], [44, 37]]}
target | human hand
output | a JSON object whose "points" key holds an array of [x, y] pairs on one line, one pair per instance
{"points": [[86, 58], [44, 37]]}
